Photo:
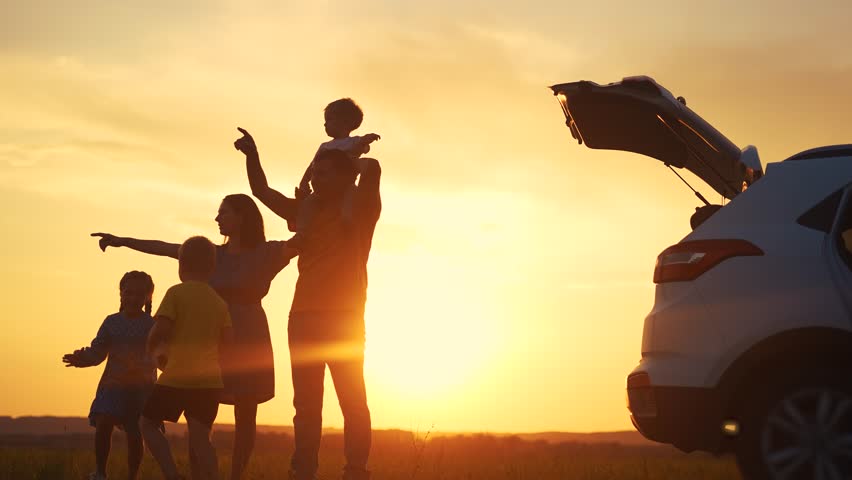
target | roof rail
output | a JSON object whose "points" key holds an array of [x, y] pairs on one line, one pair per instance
{"points": [[823, 152]]}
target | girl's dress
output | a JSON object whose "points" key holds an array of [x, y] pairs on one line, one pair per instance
{"points": [[242, 280], [129, 374]]}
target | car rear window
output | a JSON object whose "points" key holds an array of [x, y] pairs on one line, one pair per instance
{"points": [[821, 216]]}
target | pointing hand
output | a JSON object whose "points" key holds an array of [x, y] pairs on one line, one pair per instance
{"points": [[107, 240], [245, 143]]}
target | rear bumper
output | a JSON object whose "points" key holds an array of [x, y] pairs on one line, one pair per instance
{"points": [[687, 417]]}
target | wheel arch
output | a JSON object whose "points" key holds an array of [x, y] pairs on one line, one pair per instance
{"points": [[817, 346]]}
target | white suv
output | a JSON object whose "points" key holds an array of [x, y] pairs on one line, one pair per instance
{"points": [[749, 345]]}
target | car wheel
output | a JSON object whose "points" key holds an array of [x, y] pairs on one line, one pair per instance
{"points": [[799, 431]]}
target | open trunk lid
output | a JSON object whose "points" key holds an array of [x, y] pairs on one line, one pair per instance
{"points": [[639, 115]]}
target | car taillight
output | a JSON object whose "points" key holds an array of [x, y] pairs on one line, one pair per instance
{"points": [[638, 380], [688, 260]]}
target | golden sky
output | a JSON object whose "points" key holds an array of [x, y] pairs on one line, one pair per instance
{"points": [[511, 268]]}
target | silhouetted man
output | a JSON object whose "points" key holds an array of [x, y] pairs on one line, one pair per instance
{"points": [[326, 324]]}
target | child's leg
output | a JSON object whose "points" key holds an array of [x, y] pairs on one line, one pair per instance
{"points": [[103, 442], [200, 445], [135, 403], [158, 445], [134, 452]]}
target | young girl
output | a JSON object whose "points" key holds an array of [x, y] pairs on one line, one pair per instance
{"points": [[129, 375]]}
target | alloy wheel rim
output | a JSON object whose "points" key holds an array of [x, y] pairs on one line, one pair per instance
{"points": [[808, 434]]}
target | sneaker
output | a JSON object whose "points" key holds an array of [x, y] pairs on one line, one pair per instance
{"points": [[97, 476]]}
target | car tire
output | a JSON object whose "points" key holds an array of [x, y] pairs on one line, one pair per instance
{"points": [[799, 427]]}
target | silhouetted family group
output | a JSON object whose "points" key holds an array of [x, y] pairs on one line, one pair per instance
{"points": [[210, 336]]}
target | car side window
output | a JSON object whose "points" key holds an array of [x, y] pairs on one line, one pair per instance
{"points": [[821, 216], [844, 230]]}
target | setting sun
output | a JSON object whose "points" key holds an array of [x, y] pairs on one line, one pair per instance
{"points": [[431, 334], [511, 268]]}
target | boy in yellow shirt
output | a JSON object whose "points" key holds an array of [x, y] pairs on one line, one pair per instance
{"points": [[193, 320]]}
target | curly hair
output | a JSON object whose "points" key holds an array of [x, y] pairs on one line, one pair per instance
{"points": [[347, 111]]}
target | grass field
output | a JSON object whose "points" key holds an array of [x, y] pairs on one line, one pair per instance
{"points": [[395, 455]]}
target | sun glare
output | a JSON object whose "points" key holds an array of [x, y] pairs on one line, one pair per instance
{"points": [[428, 337]]}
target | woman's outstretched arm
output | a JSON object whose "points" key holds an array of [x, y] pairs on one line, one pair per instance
{"points": [[151, 247]]}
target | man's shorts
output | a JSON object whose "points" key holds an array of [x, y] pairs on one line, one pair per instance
{"points": [[168, 403]]}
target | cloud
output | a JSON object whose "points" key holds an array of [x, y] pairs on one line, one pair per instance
{"points": [[99, 30]]}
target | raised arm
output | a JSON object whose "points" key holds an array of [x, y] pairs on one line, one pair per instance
{"points": [[151, 247], [365, 141], [370, 171], [367, 193], [282, 206], [279, 255], [305, 183]]}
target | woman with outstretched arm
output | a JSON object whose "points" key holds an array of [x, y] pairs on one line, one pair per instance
{"points": [[246, 264]]}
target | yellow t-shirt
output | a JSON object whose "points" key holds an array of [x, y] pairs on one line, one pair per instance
{"points": [[199, 316]]}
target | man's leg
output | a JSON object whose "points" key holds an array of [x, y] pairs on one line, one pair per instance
{"points": [[307, 423], [348, 377]]}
